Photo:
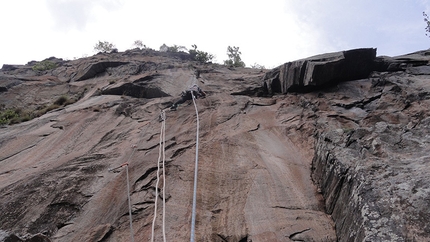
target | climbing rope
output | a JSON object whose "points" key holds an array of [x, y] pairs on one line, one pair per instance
{"points": [[163, 117], [128, 188], [164, 175], [193, 216], [161, 155]]}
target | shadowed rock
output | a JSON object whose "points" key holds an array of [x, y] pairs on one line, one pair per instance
{"points": [[142, 87], [133, 90], [35, 238]]}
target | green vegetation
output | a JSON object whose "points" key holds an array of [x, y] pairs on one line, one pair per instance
{"points": [[199, 55], [44, 66], [63, 101], [14, 116], [46, 109], [17, 115], [233, 53], [257, 66], [427, 21], [139, 44], [173, 48], [104, 47], [7, 115], [234, 59]]}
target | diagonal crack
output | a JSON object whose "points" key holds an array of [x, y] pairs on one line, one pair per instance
{"points": [[360, 103], [297, 233], [255, 129], [18, 152], [181, 150]]}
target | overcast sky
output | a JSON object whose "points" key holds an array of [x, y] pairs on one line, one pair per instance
{"points": [[269, 32]]}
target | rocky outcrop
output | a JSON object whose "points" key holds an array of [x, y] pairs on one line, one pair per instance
{"points": [[400, 63], [342, 163], [7, 67], [34, 238], [92, 70], [371, 168], [320, 71]]}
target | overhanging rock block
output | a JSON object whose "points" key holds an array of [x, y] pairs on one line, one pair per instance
{"points": [[93, 69], [320, 71]]}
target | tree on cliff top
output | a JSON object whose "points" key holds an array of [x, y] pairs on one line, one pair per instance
{"points": [[104, 46], [234, 59], [427, 21], [199, 55], [139, 44]]}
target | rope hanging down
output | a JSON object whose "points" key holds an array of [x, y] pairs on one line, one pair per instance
{"points": [[128, 183], [193, 216], [128, 189], [161, 154]]}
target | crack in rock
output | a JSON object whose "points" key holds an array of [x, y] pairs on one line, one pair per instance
{"points": [[297, 236]]}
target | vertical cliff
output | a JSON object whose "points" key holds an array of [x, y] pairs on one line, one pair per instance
{"points": [[343, 160]]}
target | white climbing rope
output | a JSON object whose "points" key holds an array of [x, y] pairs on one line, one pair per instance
{"points": [[193, 216], [161, 154], [164, 175], [128, 182]]}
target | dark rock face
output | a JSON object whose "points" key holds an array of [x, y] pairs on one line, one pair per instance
{"points": [[133, 90], [142, 86], [7, 67], [35, 238], [372, 168], [400, 63], [320, 71]]}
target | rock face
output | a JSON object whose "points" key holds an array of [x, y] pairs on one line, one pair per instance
{"points": [[347, 162], [373, 169]]}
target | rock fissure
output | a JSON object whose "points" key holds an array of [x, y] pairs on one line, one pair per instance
{"points": [[17, 152], [294, 236], [145, 175], [181, 150], [288, 208]]}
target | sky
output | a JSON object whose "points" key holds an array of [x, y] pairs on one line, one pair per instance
{"points": [[267, 32]]}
